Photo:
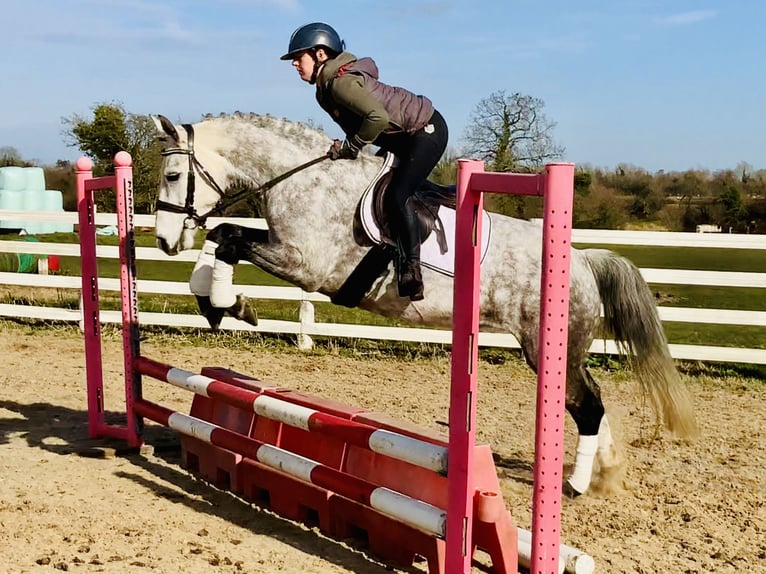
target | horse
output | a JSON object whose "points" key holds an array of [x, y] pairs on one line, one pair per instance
{"points": [[315, 240]]}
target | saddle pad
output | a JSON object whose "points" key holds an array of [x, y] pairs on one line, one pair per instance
{"points": [[430, 253]]}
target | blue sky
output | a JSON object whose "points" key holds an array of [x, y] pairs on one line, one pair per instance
{"points": [[670, 84]]}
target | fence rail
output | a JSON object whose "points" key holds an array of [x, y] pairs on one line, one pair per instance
{"points": [[307, 327]]}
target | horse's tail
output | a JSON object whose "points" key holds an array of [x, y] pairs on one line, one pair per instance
{"points": [[434, 194], [630, 314]]}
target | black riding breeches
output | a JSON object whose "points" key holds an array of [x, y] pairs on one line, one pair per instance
{"points": [[418, 154]]}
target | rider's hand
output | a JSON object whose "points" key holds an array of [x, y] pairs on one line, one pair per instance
{"points": [[342, 150]]}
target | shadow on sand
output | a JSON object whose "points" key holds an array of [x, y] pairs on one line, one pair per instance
{"points": [[63, 431]]}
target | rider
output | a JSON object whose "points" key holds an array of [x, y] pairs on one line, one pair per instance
{"points": [[371, 112]]}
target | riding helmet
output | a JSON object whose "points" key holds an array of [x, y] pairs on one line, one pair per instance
{"points": [[315, 35]]}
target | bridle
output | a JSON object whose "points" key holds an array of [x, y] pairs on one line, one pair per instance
{"points": [[195, 220]]}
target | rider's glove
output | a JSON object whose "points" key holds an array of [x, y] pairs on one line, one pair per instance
{"points": [[343, 150]]}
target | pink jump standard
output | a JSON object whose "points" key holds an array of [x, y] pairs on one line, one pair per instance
{"points": [[556, 185], [122, 183]]}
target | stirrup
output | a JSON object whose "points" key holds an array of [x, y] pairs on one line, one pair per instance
{"points": [[415, 292]]}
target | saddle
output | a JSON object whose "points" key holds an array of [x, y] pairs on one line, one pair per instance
{"points": [[434, 205], [425, 202]]}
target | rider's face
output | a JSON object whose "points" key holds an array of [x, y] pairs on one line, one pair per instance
{"points": [[304, 64]]}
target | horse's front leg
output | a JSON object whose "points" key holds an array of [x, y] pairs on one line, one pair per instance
{"points": [[211, 281]]}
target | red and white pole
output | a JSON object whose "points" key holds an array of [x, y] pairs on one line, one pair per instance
{"points": [[414, 451]]}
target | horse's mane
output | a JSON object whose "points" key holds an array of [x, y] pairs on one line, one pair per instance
{"points": [[281, 127], [268, 146], [262, 147]]}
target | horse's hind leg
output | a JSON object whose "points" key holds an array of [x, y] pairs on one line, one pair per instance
{"points": [[583, 402]]}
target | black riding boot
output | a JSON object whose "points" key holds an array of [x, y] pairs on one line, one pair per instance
{"points": [[410, 281]]}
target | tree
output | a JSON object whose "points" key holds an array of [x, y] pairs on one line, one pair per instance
{"points": [[511, 133], [112, 129], [61, 177], [445, 172], [598, 207], [582, 181], [10, 156]]}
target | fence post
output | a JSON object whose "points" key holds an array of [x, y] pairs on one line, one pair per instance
{"points": [[307, 317]]}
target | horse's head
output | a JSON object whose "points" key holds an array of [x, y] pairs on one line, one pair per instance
{"points": [[188, 190]]}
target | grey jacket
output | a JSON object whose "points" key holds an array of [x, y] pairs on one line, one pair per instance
{"points": [[349, 90]]}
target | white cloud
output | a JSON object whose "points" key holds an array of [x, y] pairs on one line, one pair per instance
{"points": [[169, 32], [287, 5], [686, 18], [84, 22]]}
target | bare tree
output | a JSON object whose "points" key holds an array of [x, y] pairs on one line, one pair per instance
{"points": [[10, 156], [511, 132]]}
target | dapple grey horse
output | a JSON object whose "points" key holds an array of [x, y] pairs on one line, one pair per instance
{"points": [[315, 241]]}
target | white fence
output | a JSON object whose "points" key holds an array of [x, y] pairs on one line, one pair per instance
{"points": [[307, 326]]}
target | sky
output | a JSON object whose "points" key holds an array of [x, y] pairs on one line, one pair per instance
{"points": [[665, 85]]}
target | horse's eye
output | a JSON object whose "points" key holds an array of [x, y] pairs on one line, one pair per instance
{"points": [[174, 176]]}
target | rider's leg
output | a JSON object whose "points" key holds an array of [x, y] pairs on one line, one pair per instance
{"points": [[417, 157], [410, 283]]}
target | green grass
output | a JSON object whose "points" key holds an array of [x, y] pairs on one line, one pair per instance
{"points": [[157, 270], [702, 258], [707, 259], [701, 296], [743, 336]]}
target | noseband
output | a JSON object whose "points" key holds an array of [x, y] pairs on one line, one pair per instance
{"points": [[193, 219]]}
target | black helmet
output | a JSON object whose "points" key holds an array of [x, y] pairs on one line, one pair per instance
{"points": [[316, 35]]}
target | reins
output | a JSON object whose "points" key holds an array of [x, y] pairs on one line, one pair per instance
{"points": [[193, 219], [227, 201]]}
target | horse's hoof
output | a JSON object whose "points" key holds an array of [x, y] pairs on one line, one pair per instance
{"points": [[569, 491], [212, 314], [243, 311]]}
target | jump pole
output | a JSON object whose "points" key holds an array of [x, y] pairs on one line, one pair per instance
{"points": [[556, 185]]}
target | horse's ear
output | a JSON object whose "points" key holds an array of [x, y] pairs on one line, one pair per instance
{"points": [[165, 126]]}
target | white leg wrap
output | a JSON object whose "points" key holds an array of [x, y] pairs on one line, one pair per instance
{"points": [[583, 468], [222, 293], [202, 276]]}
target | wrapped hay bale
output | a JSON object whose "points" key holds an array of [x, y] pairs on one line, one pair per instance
{"points": [[35, 178], [34, 201], [53, 200], [12, 201], [13, 178]]}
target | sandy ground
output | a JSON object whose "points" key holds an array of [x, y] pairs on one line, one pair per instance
{"points": [[685, 509]]}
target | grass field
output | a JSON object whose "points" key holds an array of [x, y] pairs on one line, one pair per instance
{"points": [[752, 299]]}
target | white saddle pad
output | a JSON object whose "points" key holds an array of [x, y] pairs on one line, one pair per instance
{"points": [[430, 252]]}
